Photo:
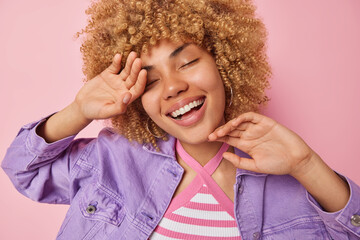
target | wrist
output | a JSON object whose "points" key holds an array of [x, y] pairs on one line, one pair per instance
{"points": [[74, 112], [307, 167], [64, 123], [327, 188]]}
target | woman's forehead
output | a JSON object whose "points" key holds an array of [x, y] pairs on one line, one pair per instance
{"points": [[173, 48], [162, 45]]}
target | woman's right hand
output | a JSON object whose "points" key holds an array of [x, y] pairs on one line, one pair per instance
{"points": [[108, 94]]}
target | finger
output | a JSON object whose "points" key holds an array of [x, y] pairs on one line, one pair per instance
{"points": [[127, 69], [117, 107], [249, 117], [236, 133], [115, 65], [222, 130], [233, 141], [242, 126], [140, 84], [240, 162], [229, 129], [122, 102], [127, 97], [134, 73]]}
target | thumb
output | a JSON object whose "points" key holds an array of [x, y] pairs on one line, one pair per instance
{"points": [[240, 162]]}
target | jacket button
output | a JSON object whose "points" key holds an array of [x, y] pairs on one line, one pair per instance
{"points": [[91, 209], [256, 235], [355, 220]]}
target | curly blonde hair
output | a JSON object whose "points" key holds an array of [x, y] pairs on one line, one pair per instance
{"points": [[229, 30]]}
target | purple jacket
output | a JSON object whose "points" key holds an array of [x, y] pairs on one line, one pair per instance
{"points": [[120, 190]]}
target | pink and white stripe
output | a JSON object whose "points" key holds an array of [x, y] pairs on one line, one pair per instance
{"points": [[201, 218]]}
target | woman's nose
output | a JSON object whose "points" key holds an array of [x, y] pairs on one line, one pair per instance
{"points": [[173, 87]]}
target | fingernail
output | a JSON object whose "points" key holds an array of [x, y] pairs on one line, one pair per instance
{"points": [[126, 99]]}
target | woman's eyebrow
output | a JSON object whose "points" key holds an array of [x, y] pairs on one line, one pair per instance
{"points": [[176, 52]]}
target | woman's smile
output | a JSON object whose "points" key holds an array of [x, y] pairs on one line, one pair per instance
{"points": [[188, 111]]}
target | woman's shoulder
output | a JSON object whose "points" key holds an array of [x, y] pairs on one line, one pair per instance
{"points": [[110, 138], [111, 147], [110, 134]]}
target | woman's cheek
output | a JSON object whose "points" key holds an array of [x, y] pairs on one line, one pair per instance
{"points": [[207, 80], [145, 101], [150, 102]]}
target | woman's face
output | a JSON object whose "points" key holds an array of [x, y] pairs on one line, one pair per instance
{"points": [[184, 93]]}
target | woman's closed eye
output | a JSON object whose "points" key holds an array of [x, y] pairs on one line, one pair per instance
{"points": [[150, 82], [189, 63]]}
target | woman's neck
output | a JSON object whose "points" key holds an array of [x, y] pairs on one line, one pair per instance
{"points": [[202, 152]]}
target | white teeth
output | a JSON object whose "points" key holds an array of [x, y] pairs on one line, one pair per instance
{"points": [[187, 108]]}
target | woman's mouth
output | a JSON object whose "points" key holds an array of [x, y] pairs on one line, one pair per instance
{"points": [[190, 113], [187, 109]]}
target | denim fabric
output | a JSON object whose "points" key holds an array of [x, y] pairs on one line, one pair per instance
{"points": [[120, 190]]}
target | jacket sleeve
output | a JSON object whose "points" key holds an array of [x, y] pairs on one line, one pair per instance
{"points": [[42, 171], [345, 223]]}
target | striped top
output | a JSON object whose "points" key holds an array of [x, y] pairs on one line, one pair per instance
{"points": [[202, 211]]}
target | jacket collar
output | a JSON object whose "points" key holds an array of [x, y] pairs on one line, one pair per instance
{"points": [[167, 148], [240, 172]]}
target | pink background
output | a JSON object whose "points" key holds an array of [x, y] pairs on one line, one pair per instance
{"points": [[313, 48]]}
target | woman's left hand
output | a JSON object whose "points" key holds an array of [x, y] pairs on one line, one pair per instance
{"points": [[274, 148]]}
